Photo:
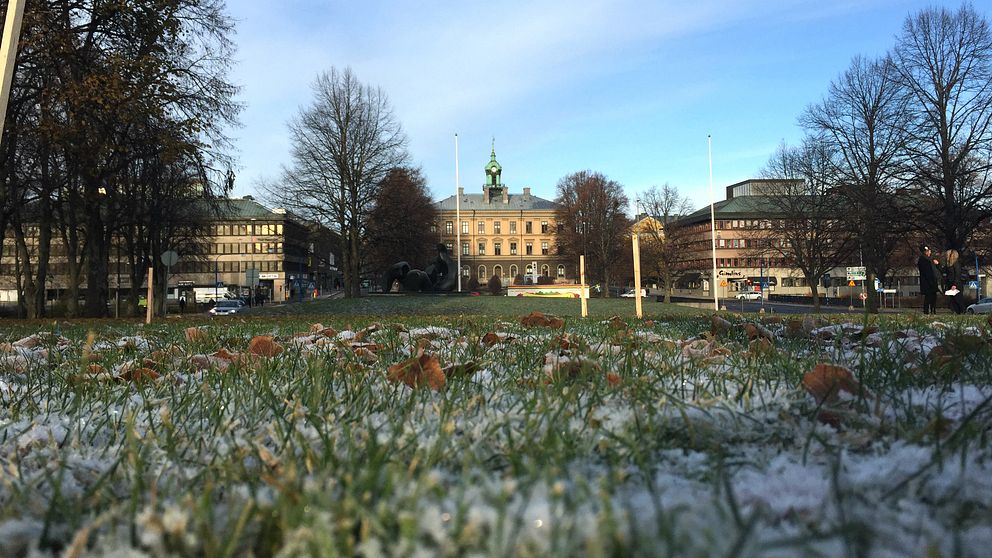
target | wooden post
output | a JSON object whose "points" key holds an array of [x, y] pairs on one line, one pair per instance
{"points": [[151, 291], [582, 286], [637, 275], [8, 53]]}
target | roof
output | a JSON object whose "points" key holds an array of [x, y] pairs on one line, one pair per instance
{"points": [[517, 202], [744, 207]]}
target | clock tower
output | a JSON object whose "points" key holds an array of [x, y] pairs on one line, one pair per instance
{"points": [[493, 171]]}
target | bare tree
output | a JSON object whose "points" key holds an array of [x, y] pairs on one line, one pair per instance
{"points": [[343, 145], [803, 228], [592, 221], [665, 250], [863, 120], [944, 63]]}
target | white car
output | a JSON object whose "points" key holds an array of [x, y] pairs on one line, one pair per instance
{"points": [[749, 295], [630, 294], [983, 306], [227, 307]]}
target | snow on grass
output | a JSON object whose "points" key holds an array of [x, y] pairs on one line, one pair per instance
{"points": [[602, 438]]}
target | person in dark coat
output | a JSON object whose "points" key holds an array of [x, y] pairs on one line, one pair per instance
{"points": [[953, 284], [929, 284]]}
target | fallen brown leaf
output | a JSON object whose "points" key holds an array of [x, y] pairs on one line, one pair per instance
{"points": [[264, 345], [825, 381], [423, 370]]}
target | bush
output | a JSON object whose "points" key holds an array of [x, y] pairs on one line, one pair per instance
{"points": [[518, 280], [495, 286], [542, 280], [473, 283]]}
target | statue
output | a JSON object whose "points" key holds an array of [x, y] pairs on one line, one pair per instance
{"points": [[438, 276]]}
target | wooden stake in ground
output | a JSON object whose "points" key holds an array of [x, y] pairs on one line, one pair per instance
{"points": [[151, 290], [8, 53], [637, 275], [582, 286]]}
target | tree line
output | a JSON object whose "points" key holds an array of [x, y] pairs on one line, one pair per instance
{"points": [[114, 139], [898, 151]]}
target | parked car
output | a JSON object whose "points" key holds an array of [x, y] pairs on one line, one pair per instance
{"points": [[227, 307], [749, 295], [983, 306], [630, 293]]}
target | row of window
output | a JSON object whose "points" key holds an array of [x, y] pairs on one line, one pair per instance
{"points": [[249, 229], [449, 227], [498, 248], [245, 248], [750, 262], [498, 271], [236, 266]]}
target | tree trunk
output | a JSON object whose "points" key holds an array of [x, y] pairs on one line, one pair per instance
{"points": [[97, 258], [871, 303], [814, 291], [28, 288], [668, 286]]}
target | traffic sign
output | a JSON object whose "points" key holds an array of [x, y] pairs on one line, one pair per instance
{"points": [[723, 283], [972, 284], [863, 296], [219, 284], [858, 273], [850, 283], [169, 258]]}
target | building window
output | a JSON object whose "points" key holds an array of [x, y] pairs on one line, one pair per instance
{"points": [[433, 228], [544, 227], [464, 248], [513, 227], [529, 227], [465, 271], [513, 272], [529, 248], [546, 270], [544, 248], [513, 248], [482, 227], [482, 248], [722, 243], [497, 248], [464, 227], [482, 272], [497, 227], [450, 246], [498, 271], [449, 228], [561, 271], [530, 269]]}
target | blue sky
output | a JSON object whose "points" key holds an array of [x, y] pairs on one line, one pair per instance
{"points": [[630, 89]]}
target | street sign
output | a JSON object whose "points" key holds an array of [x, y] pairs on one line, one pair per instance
{"points": [[169, 258], [858, 273], [972, 284], [850, 283], [219, 284], [764, 286], [723, 283], [863, 296]]}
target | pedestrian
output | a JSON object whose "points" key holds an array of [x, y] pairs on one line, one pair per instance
{"points": [[929, 284], [953, 282], [182, 303]]}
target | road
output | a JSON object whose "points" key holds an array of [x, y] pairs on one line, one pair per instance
{"points": [[747, 306]]}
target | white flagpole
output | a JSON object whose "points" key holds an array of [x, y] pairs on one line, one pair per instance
{"points": [[458, 219], [713, 283]]}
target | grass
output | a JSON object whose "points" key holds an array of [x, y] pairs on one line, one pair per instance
{"points": [[640, 449]]}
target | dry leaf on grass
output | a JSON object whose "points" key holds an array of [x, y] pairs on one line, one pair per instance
{"points": [[538, 319], [461, 370], [422, 370], [139, 375], [264, 345], [719, 326], [755, 331], [825, 381], [194, 334]]}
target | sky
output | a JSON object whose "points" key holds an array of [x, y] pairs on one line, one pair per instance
{"points": [[630, 89]]}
